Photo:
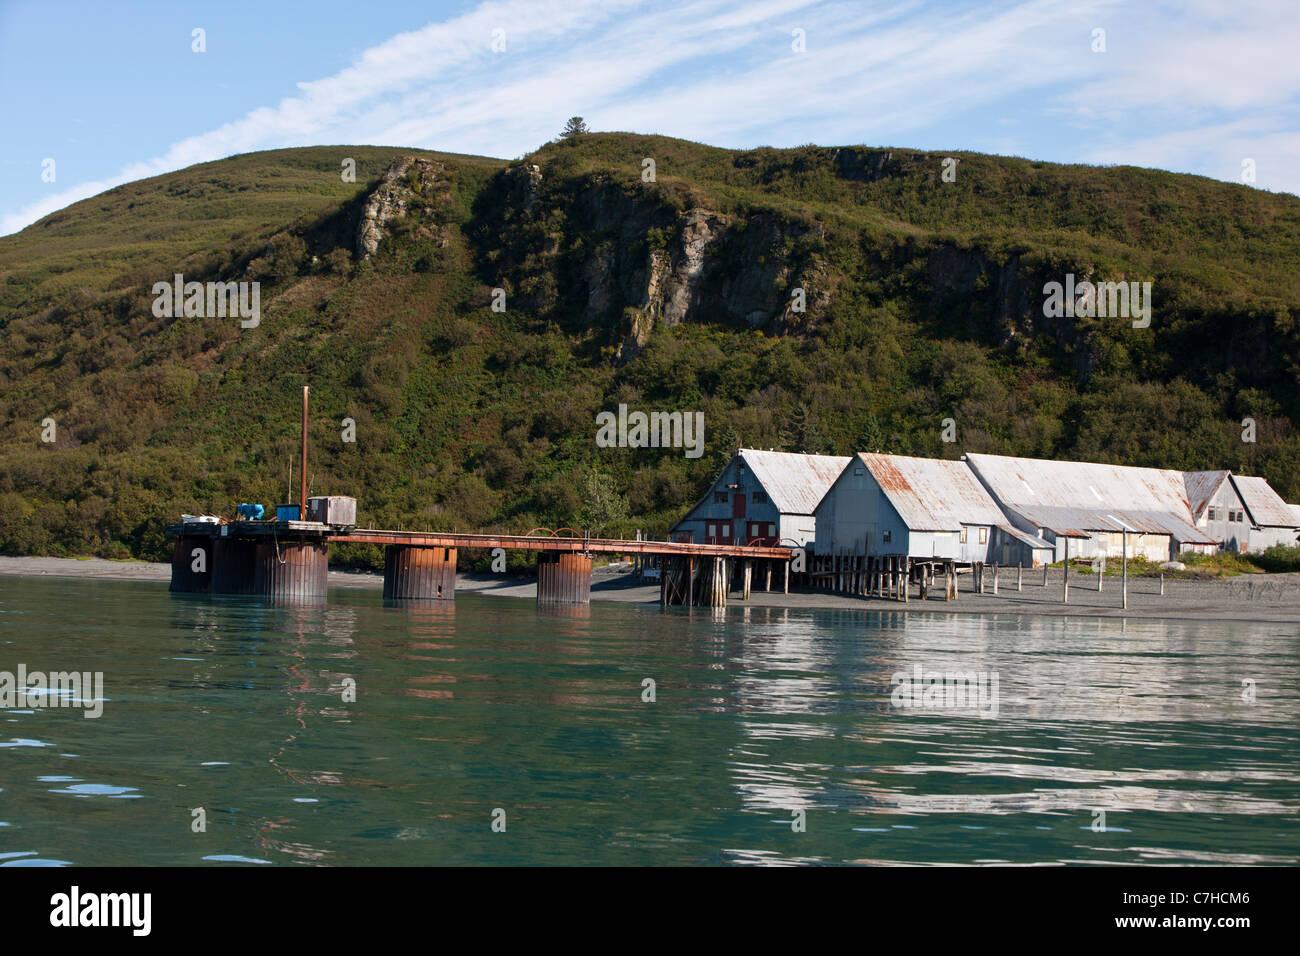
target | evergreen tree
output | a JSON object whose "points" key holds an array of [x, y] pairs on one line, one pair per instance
{"points": [[870, 438], [727, 443], [794, 432], [574, 128]]}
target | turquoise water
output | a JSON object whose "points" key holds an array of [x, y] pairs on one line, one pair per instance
{"points": [[760, 718]]}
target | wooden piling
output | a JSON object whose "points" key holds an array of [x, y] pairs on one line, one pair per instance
{"points": [[1066, 579], [192, 562], [291, 572], [419, 574], [233, 562], [564, 578]]}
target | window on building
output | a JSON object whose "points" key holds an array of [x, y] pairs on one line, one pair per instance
{"points": [[771, 531], [760, 497], [963, 534], [720, 497], [713, 531], [886, 536], [984, 535], [726, 531], [1214, 514]]}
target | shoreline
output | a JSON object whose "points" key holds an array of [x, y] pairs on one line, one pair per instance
{"points": [[1272, 598]]}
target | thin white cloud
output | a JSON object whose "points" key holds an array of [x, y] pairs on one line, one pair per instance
{"points": [[722, 73]]}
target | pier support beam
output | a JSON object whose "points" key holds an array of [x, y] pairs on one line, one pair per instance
{"points": [[564, 578], [192, 564], [233, 569], [419, 574], [291, 572]]}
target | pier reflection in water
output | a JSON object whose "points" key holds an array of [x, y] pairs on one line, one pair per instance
{"points": [[364, 732]]}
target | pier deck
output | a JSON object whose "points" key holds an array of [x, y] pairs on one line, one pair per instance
{"points": [[288, 559]]}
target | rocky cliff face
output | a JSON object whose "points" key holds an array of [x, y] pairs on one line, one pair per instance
{"points": [[408, 184], [627, 259]]}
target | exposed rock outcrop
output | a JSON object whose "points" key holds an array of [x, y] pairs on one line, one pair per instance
{"points": [[407, 181], [631, 258]]}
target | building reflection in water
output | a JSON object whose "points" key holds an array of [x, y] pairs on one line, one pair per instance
{"points": [[1080, 688]]}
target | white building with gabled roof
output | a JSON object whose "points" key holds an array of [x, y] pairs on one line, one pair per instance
{"points": [[761, 497], [1271, 520], [1093, 505], [920, 508]]}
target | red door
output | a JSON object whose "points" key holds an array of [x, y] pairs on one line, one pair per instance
{"points": [[738, 505]]}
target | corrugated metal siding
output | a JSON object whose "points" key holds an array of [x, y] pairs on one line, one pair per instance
{"points": [[1058, 495], [1261, 539], [854, 516], [1266, 508]]}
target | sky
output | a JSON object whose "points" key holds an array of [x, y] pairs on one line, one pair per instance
{"points": [[116, 92]]}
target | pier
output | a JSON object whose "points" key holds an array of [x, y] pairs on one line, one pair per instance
{"points": [[288, 561]]}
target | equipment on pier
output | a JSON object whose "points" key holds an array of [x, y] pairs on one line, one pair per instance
{"points": [[250, 512], [338, 511]]}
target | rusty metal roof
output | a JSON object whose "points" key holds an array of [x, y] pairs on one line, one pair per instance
{"points": [[1295, 511], [1267, 510], [1079, 499], [1201, 487], [794, 483], [931, 494]]}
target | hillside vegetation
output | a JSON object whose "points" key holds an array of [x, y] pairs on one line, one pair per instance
{"points": [[922, 302]]}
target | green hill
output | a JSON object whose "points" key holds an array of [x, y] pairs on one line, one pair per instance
{"points": [[922, 302]]}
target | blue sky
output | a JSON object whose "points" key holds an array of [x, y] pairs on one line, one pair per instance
{"points": [[114, 92]]}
